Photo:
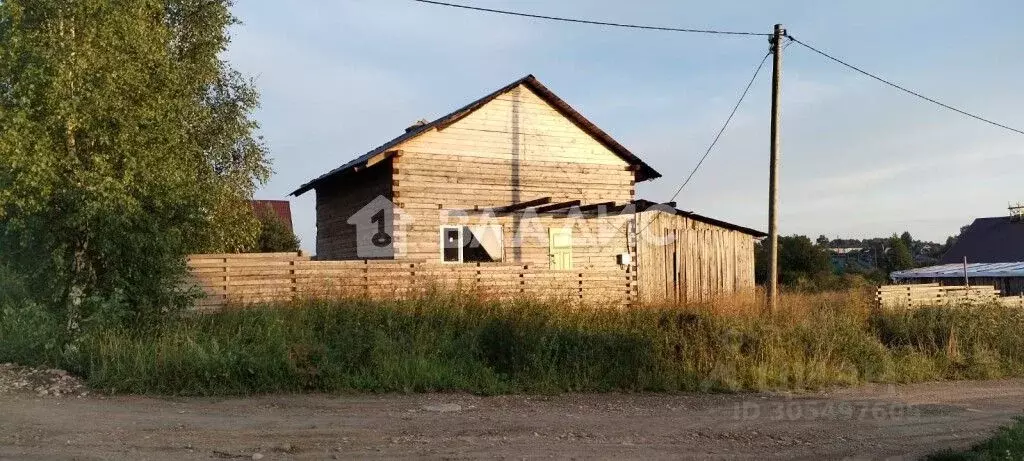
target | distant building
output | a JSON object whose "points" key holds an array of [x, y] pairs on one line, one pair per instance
{"points": [[989, 240], [281, 208], [1008, 278], [844, 251], [994, 252]]}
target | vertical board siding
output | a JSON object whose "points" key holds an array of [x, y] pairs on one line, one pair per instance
{"points": [[710, 261]]}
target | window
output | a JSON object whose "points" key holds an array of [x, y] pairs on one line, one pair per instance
{"points": [[472, 244], [482, 244], [451, 244]]}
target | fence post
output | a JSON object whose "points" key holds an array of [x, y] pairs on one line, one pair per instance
{"points": [[366, 278], [294, 284], [522, 278], [227, 289], [580, 287]]}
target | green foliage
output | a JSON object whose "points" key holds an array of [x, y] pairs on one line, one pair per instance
{"points": [[907, 239], [809, 266], [898, 257], [455, 342], [30, 335], [126, 143], [12, 287], [801, 262], [872, 259], [1008, 444], [275, 235]]}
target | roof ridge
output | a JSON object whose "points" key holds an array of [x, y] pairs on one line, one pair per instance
{"points": [[645, 171]]}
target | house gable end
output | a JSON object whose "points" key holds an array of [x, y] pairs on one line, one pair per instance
{"points": [[518, 125], [643, 171]]}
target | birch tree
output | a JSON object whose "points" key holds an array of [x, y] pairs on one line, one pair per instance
{"points": [[126, 141]]}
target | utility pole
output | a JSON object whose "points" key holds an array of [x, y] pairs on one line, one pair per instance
{"points": [[773, 181]]}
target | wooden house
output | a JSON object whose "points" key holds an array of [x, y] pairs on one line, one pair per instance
{"points": [[519, 176]]}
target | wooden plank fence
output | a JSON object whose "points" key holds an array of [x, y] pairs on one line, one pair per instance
{"points": [[274, 277], [931, 294]]}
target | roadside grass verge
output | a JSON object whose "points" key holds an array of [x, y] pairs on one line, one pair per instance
{"points": [[1008, 444], [447, 342]]}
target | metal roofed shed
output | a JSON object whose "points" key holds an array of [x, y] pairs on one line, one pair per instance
{"points": [[1005, 277], [989, 240]]}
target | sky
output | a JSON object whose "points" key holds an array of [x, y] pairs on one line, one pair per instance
{"points": [[858, 160]]}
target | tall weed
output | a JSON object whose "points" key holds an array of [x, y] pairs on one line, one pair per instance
{"points": [[451, 342]]}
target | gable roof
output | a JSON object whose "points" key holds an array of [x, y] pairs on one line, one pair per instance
{"points": [[644, 171], [989, 240]]}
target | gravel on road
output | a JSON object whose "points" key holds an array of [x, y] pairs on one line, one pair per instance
{"points": [[869, 422]]}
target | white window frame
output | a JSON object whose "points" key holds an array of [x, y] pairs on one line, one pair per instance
{"points": [[441, 242], [461, 229]]}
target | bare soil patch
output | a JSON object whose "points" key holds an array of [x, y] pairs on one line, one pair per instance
{"points": [[868, 422]]}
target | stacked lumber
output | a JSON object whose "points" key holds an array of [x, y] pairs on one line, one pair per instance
{"points": [[280, 277], [931, 294], [1011, 301]]}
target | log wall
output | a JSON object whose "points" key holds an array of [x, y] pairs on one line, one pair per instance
{"points": [[341, 198], [514, 149]]}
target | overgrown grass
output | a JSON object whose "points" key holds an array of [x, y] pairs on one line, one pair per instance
{"points": [[463, 343], [1008, 444]]}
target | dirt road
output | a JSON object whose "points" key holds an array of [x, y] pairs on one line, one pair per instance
{"points": [[870, 422]]}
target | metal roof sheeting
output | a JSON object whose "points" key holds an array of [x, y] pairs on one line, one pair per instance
{"points": [[1014, 269], [989, 240]]}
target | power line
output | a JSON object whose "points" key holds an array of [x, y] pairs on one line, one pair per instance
{"points": [[587, 21], [722, 32], [904, 89], [718, 136], [724, 126]]}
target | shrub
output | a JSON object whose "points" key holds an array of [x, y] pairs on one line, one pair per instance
{"points": [[275, 236]]}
